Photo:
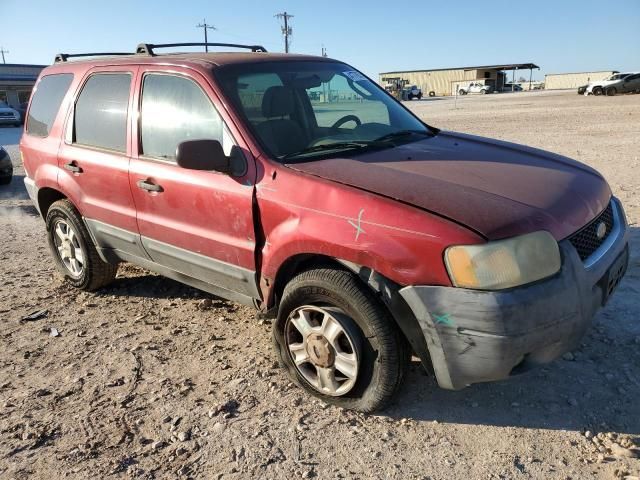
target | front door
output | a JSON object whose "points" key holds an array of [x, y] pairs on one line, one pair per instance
{"points": [[196, 223]]}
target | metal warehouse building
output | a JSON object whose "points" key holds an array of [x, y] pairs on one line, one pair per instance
{"points": [[17, 81], [446, 81], [557, 81]]}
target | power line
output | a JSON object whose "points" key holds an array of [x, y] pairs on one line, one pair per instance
{"points": [[287, 31], [205, 26], [3, 51]]}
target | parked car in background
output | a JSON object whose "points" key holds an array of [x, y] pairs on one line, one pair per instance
{"points": [[6, 167], [22, 110], [475, 87], [582, 89], [8, 115], [511, 87], [618, 83], [412, 92], [366, 234]]}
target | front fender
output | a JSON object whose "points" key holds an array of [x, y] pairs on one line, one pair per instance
{"points": [[304, 214]]}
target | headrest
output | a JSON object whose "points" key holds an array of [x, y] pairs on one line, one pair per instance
{"points": [[277, 101]]}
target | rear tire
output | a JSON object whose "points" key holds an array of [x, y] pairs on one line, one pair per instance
{"points": [[381, 351], [611, 91], [73, 250], [462, 92]]}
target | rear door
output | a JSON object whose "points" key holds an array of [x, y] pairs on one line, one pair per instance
{"points": [[196, 223], [94, 158]]}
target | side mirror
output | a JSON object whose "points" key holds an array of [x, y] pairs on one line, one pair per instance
{"points": [[209, 155]]}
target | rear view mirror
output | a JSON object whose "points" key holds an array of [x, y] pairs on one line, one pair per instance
{"points": [[209, 155]]}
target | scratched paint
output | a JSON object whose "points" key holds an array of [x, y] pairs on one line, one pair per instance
{"points": [[358, 226], [443, 319]]}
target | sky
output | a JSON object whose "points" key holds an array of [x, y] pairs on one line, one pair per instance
{"points": [[374, 36]]}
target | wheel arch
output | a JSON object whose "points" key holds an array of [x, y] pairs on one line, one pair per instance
{"points": [[385, 289], [46, 197]]}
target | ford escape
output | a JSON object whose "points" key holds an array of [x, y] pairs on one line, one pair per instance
{"points": [[296, 184]]}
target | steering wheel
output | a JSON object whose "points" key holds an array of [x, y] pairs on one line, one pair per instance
{"points": [[345, 119]]}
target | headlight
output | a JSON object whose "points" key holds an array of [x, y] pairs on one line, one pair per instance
{"points": [[503, 263]]}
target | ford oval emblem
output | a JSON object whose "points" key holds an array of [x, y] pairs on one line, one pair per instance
{"points": [[601, 231]]}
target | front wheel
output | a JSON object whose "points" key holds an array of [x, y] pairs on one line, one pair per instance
{"points": [[597, 91], [462, 92], [73, 250], [338, 342]]}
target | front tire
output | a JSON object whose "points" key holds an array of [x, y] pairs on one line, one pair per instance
{"points": [[338, 341], [597, 91], [73, 250]]}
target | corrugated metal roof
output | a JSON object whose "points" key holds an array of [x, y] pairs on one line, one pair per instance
{"points": [[7, 77], [21, 65], [519, 66]]}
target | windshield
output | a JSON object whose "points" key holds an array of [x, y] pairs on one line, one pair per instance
{"points": [[307, 109], [618, 76]]}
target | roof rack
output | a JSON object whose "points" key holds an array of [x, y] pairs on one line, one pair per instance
{"points": [[148, 48], [62, 57]]}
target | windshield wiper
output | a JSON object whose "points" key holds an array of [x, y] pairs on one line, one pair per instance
{"points": [[351, 145], [402, 133]]}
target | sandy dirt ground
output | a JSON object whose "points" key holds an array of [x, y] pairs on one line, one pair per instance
{"points": [[151, 379]]}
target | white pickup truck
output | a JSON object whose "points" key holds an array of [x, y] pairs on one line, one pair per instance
{"points": [[474, 87]]}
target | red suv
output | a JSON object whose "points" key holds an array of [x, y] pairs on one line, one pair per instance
{"points": [[296, 184]]}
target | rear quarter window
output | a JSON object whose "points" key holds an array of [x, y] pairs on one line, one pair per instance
{"points": [[46, 102]]}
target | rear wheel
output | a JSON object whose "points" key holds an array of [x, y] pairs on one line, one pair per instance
{"points": [[611, 91], [338, 342], [462, 92], [73, 250]]}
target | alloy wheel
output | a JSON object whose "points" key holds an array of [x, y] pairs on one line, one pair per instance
{"points": [[324, 347], [69, 249]]}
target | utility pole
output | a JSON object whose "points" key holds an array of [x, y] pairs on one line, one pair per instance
{"points": [[205, 26], [286, 29], [3, 51], [324, 51]]}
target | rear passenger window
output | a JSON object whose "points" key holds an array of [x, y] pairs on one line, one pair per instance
{"points": [[100, 118], [46, 102], [175, 109]]}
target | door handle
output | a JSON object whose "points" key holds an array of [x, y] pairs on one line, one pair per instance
{"points": [[73, 167], [149, 187]]}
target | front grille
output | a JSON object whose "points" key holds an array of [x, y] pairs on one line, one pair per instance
{"points": [[586, 240]]}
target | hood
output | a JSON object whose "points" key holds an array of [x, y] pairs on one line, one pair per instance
{"points": [[495, 188]]}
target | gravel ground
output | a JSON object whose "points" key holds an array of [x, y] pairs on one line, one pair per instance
{"points": [[151, 379]]}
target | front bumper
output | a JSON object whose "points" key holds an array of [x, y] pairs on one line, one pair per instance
{"points": [[478, 336]]}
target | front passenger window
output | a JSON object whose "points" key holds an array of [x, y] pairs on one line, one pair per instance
{"points": [[175, 109]]}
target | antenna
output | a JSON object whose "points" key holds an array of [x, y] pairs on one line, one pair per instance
{"points": [[3, 51]]}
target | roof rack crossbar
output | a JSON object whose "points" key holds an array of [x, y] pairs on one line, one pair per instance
{"points": [[148, 48], [62, 57]]}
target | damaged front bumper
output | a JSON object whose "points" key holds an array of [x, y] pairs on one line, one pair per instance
{"points": [[479, 336]]}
